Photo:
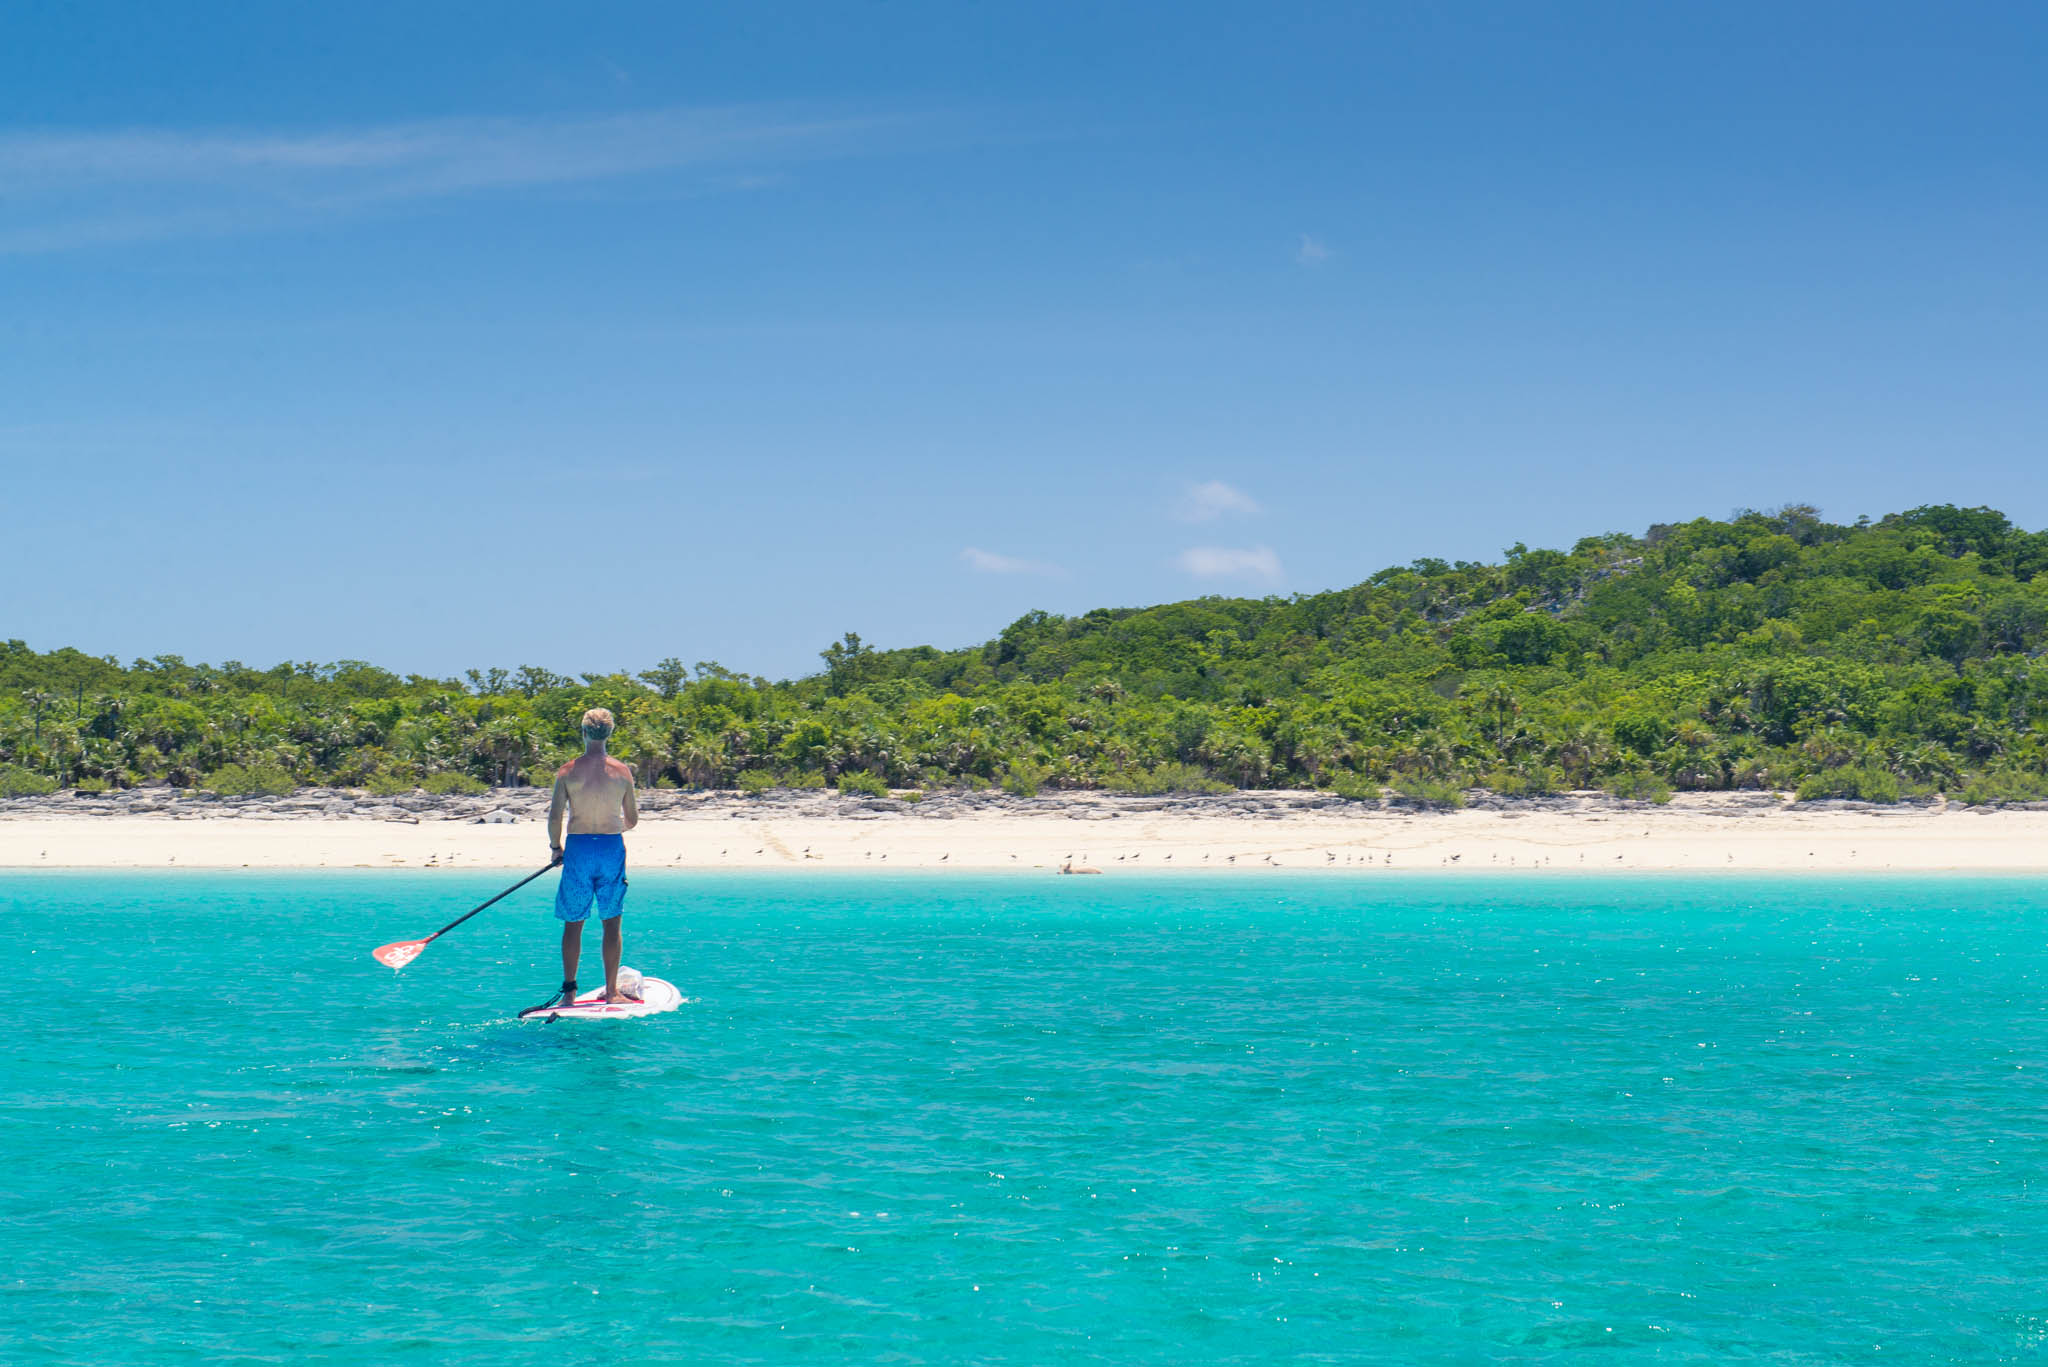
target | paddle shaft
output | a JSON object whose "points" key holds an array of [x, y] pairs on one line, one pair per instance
{"points": [[499, 898]]}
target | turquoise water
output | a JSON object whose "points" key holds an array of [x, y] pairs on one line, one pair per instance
{"points": [[1025, 1120]]}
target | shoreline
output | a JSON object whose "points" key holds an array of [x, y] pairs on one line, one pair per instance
{"points": [[1233, 832]]}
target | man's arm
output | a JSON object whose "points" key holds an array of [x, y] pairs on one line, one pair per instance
{"points": [[558, 808], [628, 806]]}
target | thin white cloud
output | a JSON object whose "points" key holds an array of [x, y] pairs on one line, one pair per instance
{"points": [[1311, 252], [61, 189], [988, 562], [1226, 562], [1207, 502]]}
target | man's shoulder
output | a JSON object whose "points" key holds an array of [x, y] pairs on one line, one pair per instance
{"points": [[618, 768], [563, 772]]}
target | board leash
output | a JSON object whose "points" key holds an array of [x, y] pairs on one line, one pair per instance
{"points": [[568, 989]]}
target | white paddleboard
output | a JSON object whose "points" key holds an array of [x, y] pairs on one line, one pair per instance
{"points": [[656, 995]]}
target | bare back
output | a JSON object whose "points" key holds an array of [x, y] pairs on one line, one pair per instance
{"points": [[596, 791]]}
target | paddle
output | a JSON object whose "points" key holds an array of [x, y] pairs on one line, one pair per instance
{"points": [[402, 952]]}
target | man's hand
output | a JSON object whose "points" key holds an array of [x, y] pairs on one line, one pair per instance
{"points": [[555, 856]]}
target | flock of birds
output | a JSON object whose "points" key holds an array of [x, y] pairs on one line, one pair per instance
{"points": [[947, 857], [1074, 863], [1071, 865], [1329, 857]]}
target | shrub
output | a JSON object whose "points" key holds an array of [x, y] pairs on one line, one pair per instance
{"points": [[754, 782], [1024, 779], [91, 785], [1163, 778], [1356, 788], [250, 780], [451, 783], [913, 796], [2002, 786], [1868, 785], [860, 781], [16, 781], [1536, 781], [1417, 791], [1638, 785], [384, 783], [806, 778]]}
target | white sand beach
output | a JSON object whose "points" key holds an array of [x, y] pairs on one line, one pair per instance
{"points": [[1247, 832]]}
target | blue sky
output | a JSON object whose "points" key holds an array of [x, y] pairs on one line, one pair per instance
{"points": [[454, 335]]}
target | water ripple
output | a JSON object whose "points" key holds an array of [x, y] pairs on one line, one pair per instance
{"points": [[1004, 1120]]}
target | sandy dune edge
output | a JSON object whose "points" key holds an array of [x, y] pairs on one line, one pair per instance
{"points": [[1695, 832]]}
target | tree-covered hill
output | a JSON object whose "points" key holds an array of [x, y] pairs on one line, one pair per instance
{"points": [[1771, 650]]}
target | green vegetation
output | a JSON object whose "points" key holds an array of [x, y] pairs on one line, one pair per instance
{"points": [[861, 782], [1638, 784], [1855, 781], [16, 781], [1165, 777], [249, 780], [1771, 650], [1024, 777], [1419, 790]]}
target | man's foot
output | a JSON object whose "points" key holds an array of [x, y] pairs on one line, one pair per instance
{"points": [[615, 997], [565, 997]]}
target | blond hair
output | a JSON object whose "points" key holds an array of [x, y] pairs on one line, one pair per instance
{"points": [[597, 724]]}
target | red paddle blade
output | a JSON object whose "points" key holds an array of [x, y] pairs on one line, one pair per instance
{"points": [[400, 954]]}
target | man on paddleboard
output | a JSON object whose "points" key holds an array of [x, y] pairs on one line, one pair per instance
{"points": [[595, 792]]}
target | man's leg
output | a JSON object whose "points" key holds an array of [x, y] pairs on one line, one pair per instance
{"points": [[572, 951], [614, 949]]}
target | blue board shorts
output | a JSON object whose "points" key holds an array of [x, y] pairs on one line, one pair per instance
{"points": [[593, 869]]}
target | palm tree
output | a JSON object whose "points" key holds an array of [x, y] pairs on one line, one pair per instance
{"points": [[701, 758], [649, 748], [106, 712], [38, 701], [1317, 749], [1580, 753], [1693, 735], [1499, 717], [1832, 747], [1428, 754], [1983, 741], [1925, 762], [1753, 772], [1237, 754]]}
